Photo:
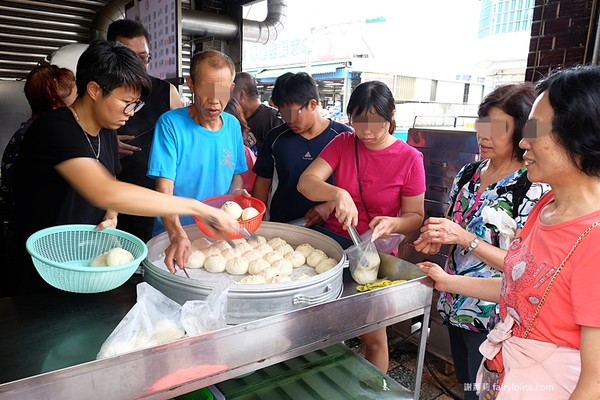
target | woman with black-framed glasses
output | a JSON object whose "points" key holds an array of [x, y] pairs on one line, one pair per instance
{"points": [[65, 172]]}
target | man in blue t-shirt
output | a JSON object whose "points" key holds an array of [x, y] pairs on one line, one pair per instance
{"points": [[289, 149], [198, 150]]}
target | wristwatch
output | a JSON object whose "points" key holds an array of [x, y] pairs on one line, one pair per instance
{"points": [[473, 245]]}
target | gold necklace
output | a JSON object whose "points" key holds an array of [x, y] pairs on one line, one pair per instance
{"points": [[87, 135]]}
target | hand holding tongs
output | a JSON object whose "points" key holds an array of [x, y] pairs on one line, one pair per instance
{"points": [[215, 226]]}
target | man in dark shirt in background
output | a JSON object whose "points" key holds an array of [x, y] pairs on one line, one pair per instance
{"points": [[260, 118], [135, 137]]}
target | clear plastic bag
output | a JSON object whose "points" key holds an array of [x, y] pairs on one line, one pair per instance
{"points": [[363, 262], [156, 319], [199, 316], [153, 319], [386, 245]]}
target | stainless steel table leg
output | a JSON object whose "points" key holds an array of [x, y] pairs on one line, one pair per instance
{"points": [[421, 352]]}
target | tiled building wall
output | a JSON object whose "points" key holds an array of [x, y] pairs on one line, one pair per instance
{"points": [[562, 34]]}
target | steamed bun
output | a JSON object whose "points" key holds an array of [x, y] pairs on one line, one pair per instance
{"points": [[196, 260], [285, 266], [297, 258], [253, 280], [284, 249], [272, 257], [315, 257], [118, 256], [248, 213], [100, 260], [237, 266], [305, 249], [232, 208], [255, 267], [325, 265], [279, 279], [276, 242], [215, 263]]}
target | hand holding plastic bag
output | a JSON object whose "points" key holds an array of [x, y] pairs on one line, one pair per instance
{"points": [[387, 245]]}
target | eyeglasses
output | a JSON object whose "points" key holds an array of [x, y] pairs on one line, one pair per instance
{"points": [[288, 115], [130, 106], [145, 57]]}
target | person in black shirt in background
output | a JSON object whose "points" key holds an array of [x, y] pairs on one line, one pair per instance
{"points": [[135, 137], [259, 117]]}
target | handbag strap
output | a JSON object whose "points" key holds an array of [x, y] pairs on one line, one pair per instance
{"points": [[360, 191], [560, 267]]}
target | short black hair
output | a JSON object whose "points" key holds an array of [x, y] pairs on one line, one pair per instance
{"points": [[297, 88], [246, 82], [515, 100], [373, 96], [574, 94], [111, 65], [128, 28]]}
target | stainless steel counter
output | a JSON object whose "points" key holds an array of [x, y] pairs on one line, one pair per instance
{"points": [[48, 343]]}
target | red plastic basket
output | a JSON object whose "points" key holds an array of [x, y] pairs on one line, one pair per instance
{"points": [[251, 224]]}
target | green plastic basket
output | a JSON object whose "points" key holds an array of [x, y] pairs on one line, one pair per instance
{"points": [[62, 256]]}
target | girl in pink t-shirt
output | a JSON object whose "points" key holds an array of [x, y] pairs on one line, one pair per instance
{"points": [[379, 182]]}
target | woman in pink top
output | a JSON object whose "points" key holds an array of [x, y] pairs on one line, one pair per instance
{"points": [[379, 182], [548, 342]]}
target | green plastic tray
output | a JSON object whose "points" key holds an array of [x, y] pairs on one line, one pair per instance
{"points": [[335, 372]]}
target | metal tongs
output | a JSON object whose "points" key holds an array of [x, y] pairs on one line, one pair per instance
{"points": [[354, 235], [215, 226]]}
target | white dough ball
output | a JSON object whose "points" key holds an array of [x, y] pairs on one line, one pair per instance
{"points": [[237, 266], [325, 265], [232, 208], [252, 255], [215, 263], [276, 242], [280, 279], [100, 260], [196, 260], [284, 249], [264, 248], [253, 280], [239, 241], [211, 251], [230, 254], [305, 249], [243, 247], [118, 256], [222, 245], [258, 241], [364, 276], [249, 212], [272, 257], [299, 277], [255, 267], [285, 266], [166, 330], [270, 272], [119, 347], [201, 243], [297, 258], [314, 258]]}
